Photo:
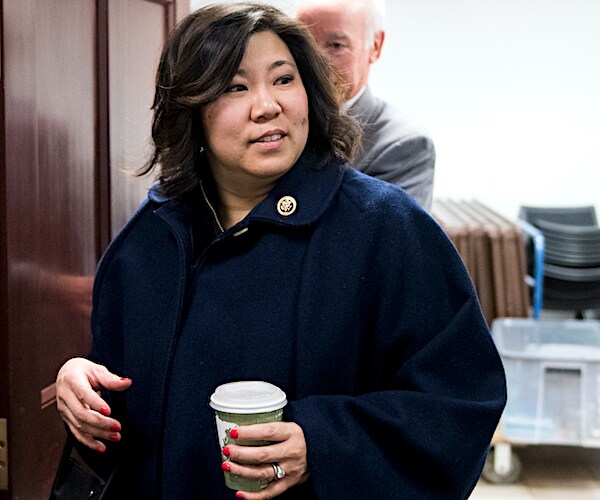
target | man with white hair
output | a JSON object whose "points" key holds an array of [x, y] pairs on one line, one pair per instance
{"points": [[394, 149]]}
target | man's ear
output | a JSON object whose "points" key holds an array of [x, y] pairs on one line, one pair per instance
{"points": [[376, 47]]}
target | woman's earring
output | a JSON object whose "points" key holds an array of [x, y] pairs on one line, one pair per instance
{"points": [[201, 150]]}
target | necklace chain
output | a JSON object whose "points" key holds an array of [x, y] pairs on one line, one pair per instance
{"points": [[212, 209]]}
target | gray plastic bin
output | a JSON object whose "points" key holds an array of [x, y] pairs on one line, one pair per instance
{"points": [[553, 385]]}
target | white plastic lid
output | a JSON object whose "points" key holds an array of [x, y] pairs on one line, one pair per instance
{"points": [[248, 397]]}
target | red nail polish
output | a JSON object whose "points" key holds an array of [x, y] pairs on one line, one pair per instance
{"points": [[233, 433], [226, 451], [100, 449], [114, 437], [226, 467], [125, 379], [115, 427], [239, 494], [105, 411]]}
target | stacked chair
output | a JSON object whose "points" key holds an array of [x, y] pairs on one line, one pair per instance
{"points": [[571, 256], [493, 250]]}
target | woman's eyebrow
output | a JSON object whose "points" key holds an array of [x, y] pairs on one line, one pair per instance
{"points": [[272, 66], [283, 62]]}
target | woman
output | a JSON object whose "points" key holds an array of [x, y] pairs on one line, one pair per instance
{"points": [[261, 255]]}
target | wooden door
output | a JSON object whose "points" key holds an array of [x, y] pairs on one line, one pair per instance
{"points": [[74, 78], [49, 168]]}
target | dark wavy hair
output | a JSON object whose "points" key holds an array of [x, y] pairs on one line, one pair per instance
{"points": [[198, 62]]}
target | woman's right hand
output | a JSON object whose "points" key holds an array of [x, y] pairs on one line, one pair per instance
{"points": [[80, 405]]}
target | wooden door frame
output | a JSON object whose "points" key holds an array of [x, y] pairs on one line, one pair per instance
{"points": [[102, 173], [176, 10], [4, 357]]}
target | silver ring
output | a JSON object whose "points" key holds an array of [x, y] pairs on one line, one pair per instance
{"points": [[279, 472]]}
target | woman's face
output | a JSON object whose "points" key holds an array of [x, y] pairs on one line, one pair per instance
{"points": [[258, 128]]}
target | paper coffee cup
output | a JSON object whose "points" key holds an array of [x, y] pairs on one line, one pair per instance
{"points": [[245, 403]]}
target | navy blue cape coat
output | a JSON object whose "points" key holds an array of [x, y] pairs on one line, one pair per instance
{"points": [[388, 364]]}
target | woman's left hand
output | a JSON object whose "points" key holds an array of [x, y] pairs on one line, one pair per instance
{"points": [[288, 450]]}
